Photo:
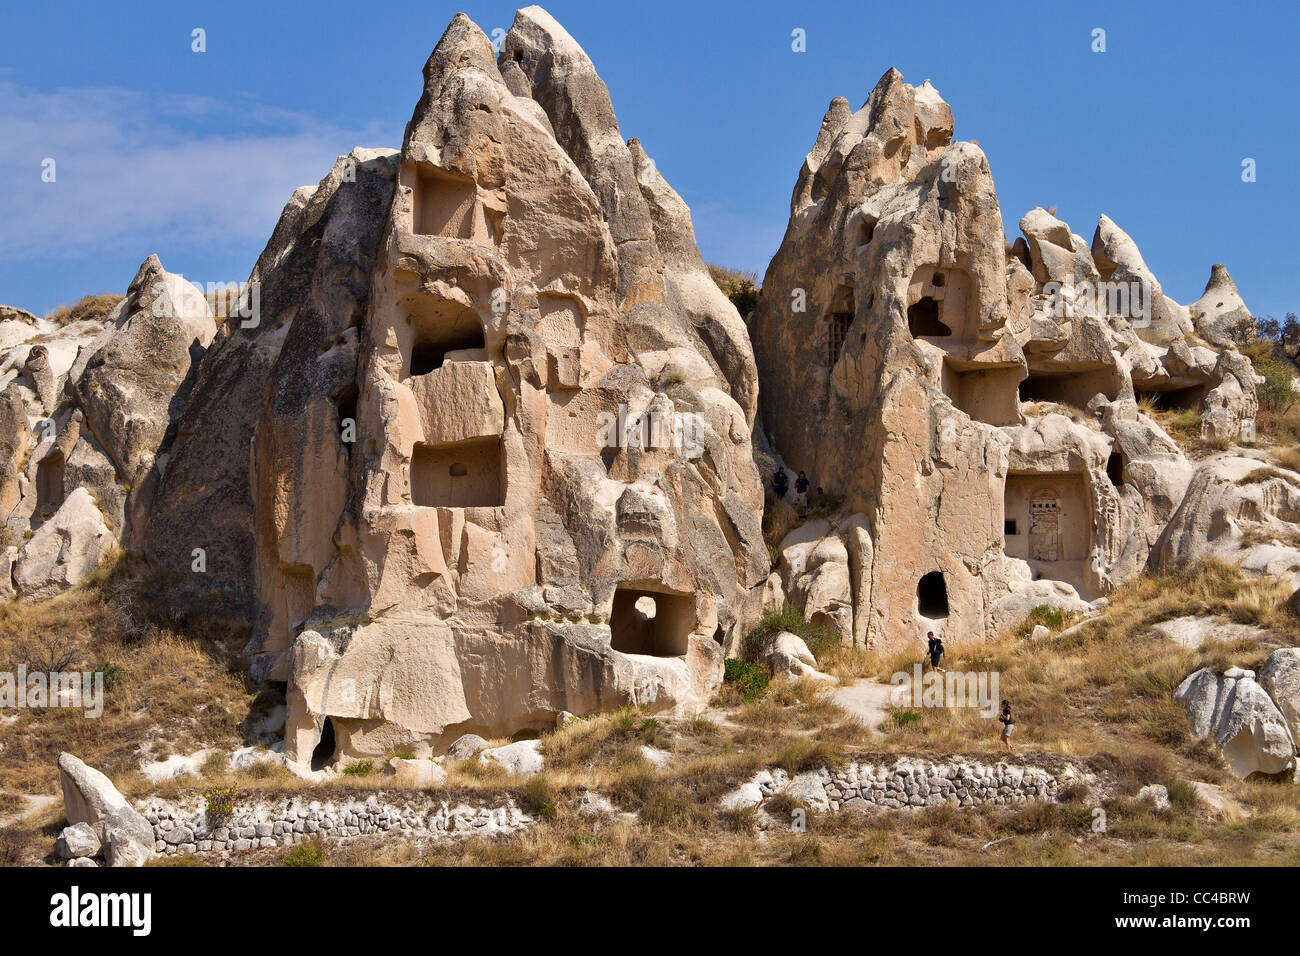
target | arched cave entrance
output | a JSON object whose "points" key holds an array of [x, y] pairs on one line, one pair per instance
{"points": [[323, 755], [932, 596]]}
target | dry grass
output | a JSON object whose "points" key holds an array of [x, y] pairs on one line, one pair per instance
{"points": [[173, 677], [1099, 692], [96, 307]]}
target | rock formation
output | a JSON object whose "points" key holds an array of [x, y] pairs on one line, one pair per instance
{"points": [[87, 413], [1243, 720], [503, 466], [974, 402], [90, 799], [477, 448]]}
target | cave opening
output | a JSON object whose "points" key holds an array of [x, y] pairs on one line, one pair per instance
{"points": [[923, 319], [323, 755], [932, 596]]}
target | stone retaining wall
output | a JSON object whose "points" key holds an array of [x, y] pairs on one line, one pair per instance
{"points": [[186, 828], [905, 783]]}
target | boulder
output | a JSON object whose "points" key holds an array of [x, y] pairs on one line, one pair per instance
{"points": [[76, 841], [742, 798], [786, 655], [1157, 793], [1280, 678], [64, 549], [810, 790], [1191, 632], [89, 797], [522, 759], [421, 774], [470, 745], [1242, 719]]}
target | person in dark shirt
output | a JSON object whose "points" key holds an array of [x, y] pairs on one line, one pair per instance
{"points": [[935, 647], [1008, 723], [801, 494], [780, 483]]}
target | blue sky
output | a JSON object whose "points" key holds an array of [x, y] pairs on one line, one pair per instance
{"points": [[191, 155]]}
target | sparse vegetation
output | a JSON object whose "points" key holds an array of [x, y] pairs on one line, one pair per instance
{"points": [[740, 287], [821, 640], [748, 678], [96, 307], [220, 801], [305, 854], [171, 665]]}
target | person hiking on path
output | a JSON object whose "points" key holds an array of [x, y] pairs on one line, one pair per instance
{"points": [[1008, 723], [801, 494], [780, 483], [935, 646]]}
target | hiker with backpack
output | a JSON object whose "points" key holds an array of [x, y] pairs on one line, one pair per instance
{"points": [[1008, 723], [935, 647], [780, 483], [801, 494]]}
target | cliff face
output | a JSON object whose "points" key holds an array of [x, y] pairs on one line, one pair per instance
{"points": [[477, 444], [975, 403], [503, 466]]}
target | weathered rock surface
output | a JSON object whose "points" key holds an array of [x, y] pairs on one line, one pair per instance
{"points": [[1239, 509], [786, 655], [90, 798], [137, 384], [509, 474], [77, 841], [975, 403], [64, 549], [415, 773], [1280, 678], [523, 758], [1243, 720]]}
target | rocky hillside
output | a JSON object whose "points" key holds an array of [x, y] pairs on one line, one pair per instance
{"points": [[484, 453]]}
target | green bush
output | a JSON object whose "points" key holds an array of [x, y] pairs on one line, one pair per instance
{"points": [[305, 854], [819, 638], [749, 679], [1276, 392], [112, 675], [904, 717], [360, 768], [740, 287], [220, 801]]}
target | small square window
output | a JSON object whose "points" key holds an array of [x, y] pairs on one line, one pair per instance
{"points": [[1009, 528]]}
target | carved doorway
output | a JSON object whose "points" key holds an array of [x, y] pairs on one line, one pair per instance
{"points": [[1045, 526]]}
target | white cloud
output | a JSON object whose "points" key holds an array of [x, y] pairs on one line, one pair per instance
{"points": [[136, 167]]}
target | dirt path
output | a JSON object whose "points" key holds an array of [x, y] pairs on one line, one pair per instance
{"points": [[36, 802], [865, 699]]}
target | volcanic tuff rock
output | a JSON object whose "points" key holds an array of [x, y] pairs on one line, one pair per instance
{"points": [[1243, 720], [974, 402], [458, 523], [477, 449], [87, 411], [89, 797]]}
